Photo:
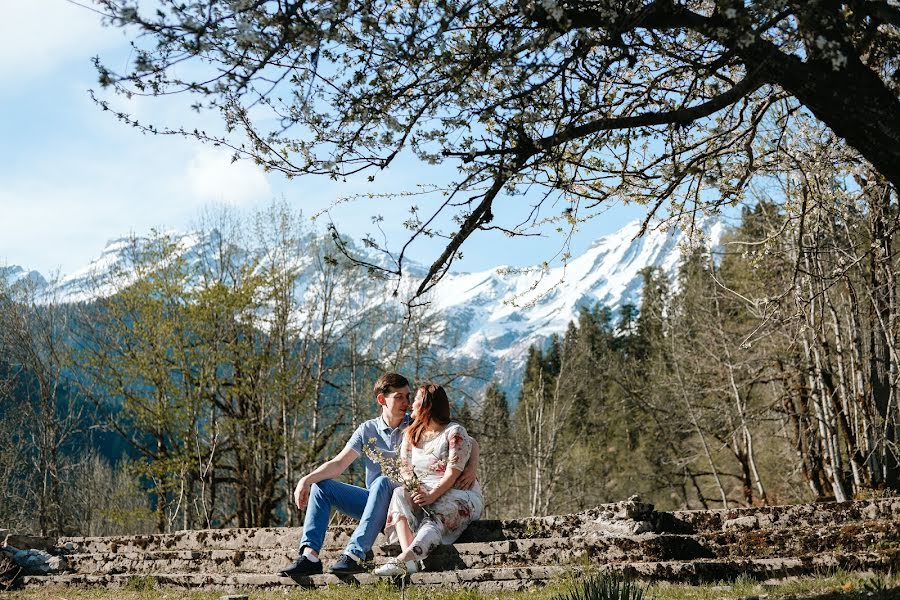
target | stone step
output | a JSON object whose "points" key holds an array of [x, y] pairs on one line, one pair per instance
{"points": [[683, 522], [595, 546], [772, 517], [274, 538], [198, 539], [289, 537], [849, 537], [543, 551], [502, 578]]}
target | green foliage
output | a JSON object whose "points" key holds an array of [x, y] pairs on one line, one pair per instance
{"points": [[604, 587], [759, 341], [878, 588], [497, 452], [141, 584], [233, 363]]}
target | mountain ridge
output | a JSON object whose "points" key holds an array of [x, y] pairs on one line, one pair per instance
{"points": [[493, 315]]}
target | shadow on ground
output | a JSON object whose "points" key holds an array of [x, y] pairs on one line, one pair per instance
{"points": [[860, 593]]}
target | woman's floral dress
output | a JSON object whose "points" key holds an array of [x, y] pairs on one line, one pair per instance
{"points": [[449, 515]]}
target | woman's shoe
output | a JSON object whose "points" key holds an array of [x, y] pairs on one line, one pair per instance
{"points": [[397, 568]]}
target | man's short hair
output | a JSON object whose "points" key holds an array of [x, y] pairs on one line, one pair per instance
{"points": [[388, 381]]}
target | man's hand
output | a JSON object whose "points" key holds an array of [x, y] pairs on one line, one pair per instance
{"points": [[329, 470], [466, 479], [469, 474], [301, 493]]}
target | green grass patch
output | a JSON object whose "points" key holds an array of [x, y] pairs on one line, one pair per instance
{"points": [[830, 586]]}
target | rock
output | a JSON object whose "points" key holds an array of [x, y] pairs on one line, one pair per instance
{"points": [[30, 541], [630, 517], [36, 562], [235, 597], [741, 523], [642, 527]]}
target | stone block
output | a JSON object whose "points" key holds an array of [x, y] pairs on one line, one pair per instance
{"points": [[742, 523], [30, 542]]}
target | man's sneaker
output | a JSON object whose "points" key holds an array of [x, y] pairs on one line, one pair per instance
{"points": [[346, 565], [302, 567], [397, 568]]}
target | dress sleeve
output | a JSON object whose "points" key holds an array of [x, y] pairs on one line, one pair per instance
{"points": [[405, 451], [459, 447]]}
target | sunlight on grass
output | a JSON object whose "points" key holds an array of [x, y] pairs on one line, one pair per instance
{"points": [[834, 586]]}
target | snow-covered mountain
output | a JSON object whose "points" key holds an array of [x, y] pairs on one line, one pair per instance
{"points": [[499, 314], [15, 274], [492, 315]]}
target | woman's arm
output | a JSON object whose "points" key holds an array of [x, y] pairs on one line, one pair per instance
{"points": [[423, 498], [459, 450]]}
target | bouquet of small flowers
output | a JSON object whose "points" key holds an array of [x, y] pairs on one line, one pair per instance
{"points": [[398, 470], [395, 468]]}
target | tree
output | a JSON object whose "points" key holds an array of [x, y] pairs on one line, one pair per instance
{"points": [[651, 101], [135, 352], [39, 400], [497, 458]]}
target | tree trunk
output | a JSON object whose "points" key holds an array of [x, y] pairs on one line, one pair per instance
{"points": [[849, 98]]}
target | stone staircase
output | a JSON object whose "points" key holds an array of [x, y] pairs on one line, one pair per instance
{"points": [[627, 537]]}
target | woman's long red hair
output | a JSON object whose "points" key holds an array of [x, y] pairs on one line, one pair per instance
{"points": [[435, 405]]}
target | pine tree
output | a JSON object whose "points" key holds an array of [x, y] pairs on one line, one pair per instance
{"points": [[498, 459]]}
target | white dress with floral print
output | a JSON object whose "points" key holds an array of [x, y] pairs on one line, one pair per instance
{"points": [[455, 509]]}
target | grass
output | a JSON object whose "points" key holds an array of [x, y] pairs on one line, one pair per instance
{"points": [[834, 586]]}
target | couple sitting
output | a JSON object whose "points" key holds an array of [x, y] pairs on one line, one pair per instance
{"points": [[444, 459]]}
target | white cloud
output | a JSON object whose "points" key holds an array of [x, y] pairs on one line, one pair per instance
{"points": [[39, 36], [212, 177]]}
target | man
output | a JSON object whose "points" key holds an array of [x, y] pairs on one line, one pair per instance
{"points": [[368, 504]]}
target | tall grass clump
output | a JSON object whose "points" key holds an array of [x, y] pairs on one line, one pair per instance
{"points": [[604, 587]]}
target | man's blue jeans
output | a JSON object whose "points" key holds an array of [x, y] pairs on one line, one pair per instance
{"points": [[368, 505]]}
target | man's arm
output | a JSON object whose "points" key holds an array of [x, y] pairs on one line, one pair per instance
{"points": [[467, 478], [328, 470]]}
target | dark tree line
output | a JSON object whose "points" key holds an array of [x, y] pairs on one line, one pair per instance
{"points": [[765, 373]]}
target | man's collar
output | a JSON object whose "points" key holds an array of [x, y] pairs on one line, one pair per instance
{"points": [[385, 426]]}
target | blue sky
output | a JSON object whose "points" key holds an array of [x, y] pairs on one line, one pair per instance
{"points": [[74, 177]]}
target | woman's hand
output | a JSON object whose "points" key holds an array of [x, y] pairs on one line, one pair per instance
{"points": [[423, 497]]}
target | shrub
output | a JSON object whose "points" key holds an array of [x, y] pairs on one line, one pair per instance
{"points": [[604, 587]]}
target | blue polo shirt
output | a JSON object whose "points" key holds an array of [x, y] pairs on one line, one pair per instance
{"points": [[387, 441]]}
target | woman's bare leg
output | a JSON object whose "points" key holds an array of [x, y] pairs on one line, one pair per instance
{"points": [[427, 538], [404, 533]]}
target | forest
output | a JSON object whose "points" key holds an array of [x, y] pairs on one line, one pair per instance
{"points": [[200, 390]]}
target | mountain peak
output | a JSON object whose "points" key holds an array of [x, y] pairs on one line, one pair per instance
{"points": [[15, 275]]}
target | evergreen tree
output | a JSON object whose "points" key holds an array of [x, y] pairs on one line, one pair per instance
{"points": [[498, 460]]}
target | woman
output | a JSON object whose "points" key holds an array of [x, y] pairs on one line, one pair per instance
{"points": [[436, 513]]}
